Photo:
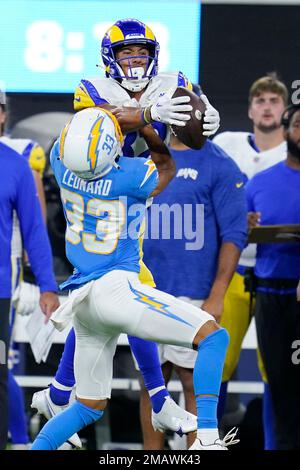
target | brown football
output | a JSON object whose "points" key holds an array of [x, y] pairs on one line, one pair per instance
{"points": [[191, 134]]}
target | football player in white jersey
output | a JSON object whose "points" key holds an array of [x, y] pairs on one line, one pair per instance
{"points": [[137, 95], [253, 152]]}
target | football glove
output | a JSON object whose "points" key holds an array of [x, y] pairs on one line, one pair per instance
{"points": [[171, 110], [26, 298], [211, 118]]}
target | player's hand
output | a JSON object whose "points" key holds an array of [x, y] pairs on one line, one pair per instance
{"points": [[253, 219], [211, 118], [49, 303], [214, 305], [171, 110]]}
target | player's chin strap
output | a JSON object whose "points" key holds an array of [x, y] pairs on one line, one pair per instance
{"points": [[135, 82]]}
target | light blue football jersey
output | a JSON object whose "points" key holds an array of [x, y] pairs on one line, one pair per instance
{"points": [[103, 216]]}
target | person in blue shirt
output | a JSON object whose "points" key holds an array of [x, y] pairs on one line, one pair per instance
{"points": [[209, 203], [104, 197], [18, 193], [274, 198]]}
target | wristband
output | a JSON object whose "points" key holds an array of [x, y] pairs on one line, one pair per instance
{"points": [[146, 115]]}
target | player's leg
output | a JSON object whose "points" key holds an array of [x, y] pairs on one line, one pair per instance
{"points": [[274, 342], [17, 423], [185, 376], [55, 399], [93, 372], [183, 361], [4, 344], [17, 419], [146, 356], [166, 414], [235, 319], [268, 413], [154, 315], [152, 440], [64, 380]]}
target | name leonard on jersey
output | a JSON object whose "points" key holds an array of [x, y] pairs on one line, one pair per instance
{"points": [[100, 187]]}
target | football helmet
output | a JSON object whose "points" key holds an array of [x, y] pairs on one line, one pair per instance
{"points": [[123, 33], [90, 143]]}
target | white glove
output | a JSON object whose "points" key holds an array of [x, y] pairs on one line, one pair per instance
{"points": [[170, 110], [26, 298], [211, 118]]}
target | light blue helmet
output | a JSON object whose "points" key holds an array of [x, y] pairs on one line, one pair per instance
{"points": [[123, 33]]}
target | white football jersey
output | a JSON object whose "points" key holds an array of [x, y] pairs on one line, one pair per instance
{"points": [[237, 145], [91, 92]]}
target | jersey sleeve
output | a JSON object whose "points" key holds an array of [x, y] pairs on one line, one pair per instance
{"points": [[86, 96], [55, 161], [36, 157], [146, 178], [229, 202], [226, 141]]}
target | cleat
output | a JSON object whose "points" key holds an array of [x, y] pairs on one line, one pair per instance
{"points": [[20, 446], [218, 444], [45, 406], [172, 417]]}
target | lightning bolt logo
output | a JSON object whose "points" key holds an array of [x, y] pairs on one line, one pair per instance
{"points": [[62, 139], [150, 170], [94, 138], [155, 305]]}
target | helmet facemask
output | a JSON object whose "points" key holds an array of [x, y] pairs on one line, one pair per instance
{"points": [[134, 33]]}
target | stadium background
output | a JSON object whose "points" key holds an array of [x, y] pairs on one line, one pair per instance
{"points": [[238, 43]]}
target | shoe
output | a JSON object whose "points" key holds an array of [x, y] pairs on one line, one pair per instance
{"points": [[20, 446], [172, 417], [218, 444], [45, 406]]}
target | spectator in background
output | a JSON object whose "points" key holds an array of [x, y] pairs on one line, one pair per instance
{"points": [[18, 193], [188, 269], [274, 198], [253, 152], [35, 155]]}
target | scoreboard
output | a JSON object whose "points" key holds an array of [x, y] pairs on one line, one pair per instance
{"points": [[49, 45]]}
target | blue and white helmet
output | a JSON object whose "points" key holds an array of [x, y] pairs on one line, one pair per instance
{"points": [[123, 33], [90, 143]]}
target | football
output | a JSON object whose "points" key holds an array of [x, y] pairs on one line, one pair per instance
{"points": [[191, 134]]}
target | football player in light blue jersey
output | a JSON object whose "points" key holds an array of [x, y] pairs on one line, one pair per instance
{"points": [[108, 299], [137, 94]]}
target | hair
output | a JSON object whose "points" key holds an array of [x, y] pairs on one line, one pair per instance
{"points": [[269, 83], [288, 114]]}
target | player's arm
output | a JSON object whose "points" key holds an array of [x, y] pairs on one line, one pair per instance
{"points": [[36, 240], [41, 195], [229, 202], [164, 109], [161, 156]]}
